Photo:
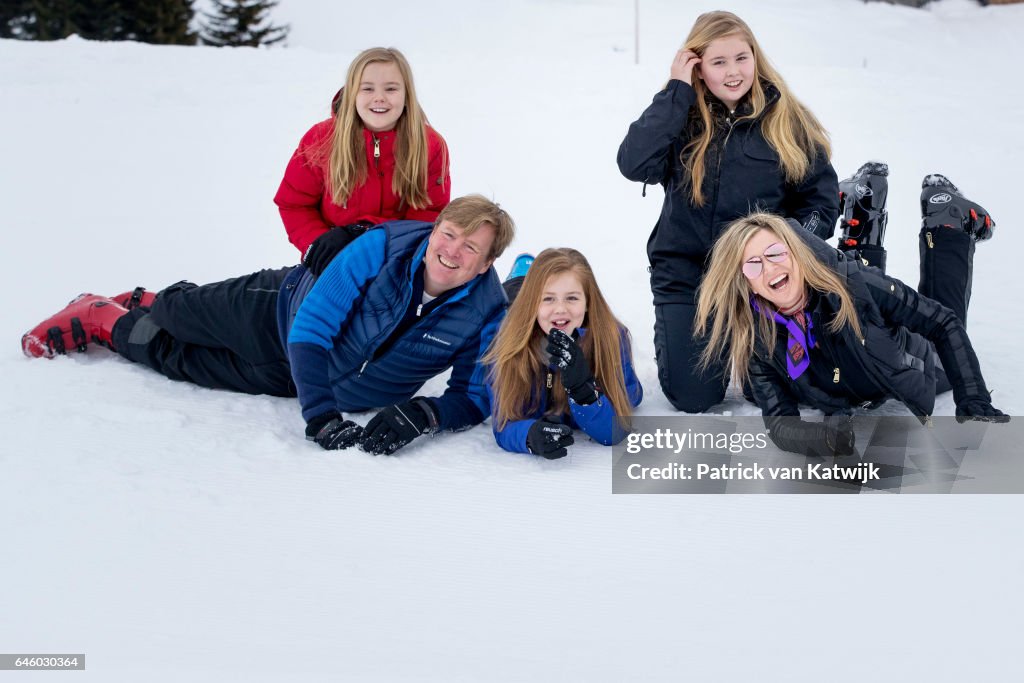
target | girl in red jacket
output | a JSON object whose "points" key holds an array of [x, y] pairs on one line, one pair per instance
{"points": [[377, 159]]}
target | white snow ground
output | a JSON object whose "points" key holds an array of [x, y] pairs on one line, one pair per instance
{"points": [[173, 533]]}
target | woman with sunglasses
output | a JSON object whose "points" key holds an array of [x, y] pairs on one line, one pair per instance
{"points": [[805, 324]]}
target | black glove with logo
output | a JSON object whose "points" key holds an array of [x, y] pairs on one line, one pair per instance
{"points": [[397, 425], [839, 436], [333, 432], [549, 439], [567, 356], [323, 250], [979, 409]]}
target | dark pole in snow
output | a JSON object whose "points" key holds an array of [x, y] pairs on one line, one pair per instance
{"points": [[636, 31]]}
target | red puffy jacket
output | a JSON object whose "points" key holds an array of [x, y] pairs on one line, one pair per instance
{"points": [[306, 206]]}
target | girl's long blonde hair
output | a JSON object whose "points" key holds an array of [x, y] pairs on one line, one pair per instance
{"points": [[346, 155], [517, 357], [723, 300], [789, 127]]}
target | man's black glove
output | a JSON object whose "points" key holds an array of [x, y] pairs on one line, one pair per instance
{"points": [[567, 356], [332, 431], [397, 425], [549, 439], [325, 247], [979, 409], [839, 436]]}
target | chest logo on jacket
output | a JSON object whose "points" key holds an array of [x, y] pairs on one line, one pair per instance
{"points": [[438, 340]]}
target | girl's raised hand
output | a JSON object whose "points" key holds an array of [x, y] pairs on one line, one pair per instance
{"points": [[567, 356], [682, 66]]}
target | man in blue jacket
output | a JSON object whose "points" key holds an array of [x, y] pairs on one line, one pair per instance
{"points": [[401, 304]]}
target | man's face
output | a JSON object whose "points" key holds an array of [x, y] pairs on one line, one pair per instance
{"points": [[454, 258]]}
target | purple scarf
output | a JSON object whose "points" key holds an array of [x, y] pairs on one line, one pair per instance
{"points": [[799, 341]]}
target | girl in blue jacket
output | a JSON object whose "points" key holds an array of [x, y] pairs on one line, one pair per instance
{"points": [[724, 136], [572, 368]]}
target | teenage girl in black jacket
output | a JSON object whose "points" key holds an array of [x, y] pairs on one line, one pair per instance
{"points": [[724, 137]]}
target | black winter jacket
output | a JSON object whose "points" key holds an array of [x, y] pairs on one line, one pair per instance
{"points": [[895, 354], [743, 174]]}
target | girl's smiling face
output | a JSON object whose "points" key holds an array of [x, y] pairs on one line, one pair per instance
{"points": [[562, 304], [727, 69], [380, 100]]}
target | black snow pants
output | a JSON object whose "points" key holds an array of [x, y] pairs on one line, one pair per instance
{"points": [[221, 335], [947, 273], [685, 385], [947, 268]]}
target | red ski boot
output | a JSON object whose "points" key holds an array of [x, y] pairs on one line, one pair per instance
{"points": [[140, 296], [88, 318]]}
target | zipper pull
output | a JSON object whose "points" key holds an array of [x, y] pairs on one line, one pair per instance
{"points": [[835, 376], [419, 310], [376, 148], [928, 238], [550, 380]]}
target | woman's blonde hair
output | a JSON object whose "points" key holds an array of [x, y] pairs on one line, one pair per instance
{"points": [[724, 296], [346, 155], [789, 127], [518, 359]]}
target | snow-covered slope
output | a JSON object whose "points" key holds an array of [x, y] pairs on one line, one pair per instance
{"points": [[174, 533]]}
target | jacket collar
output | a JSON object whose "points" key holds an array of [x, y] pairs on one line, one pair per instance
{"points": [[719, 112], [385, 143]]}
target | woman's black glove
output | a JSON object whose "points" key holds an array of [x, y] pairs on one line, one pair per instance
{"points": [[979, 409], [839, 436], [567, 356], [397, 425], [332, 431], [549, 439], [325, 247]]}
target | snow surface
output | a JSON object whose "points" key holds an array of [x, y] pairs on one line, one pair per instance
{"points": [[174, 533]]}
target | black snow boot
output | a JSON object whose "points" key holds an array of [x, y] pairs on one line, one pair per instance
{"points": [[862, 213], [943, 205]]}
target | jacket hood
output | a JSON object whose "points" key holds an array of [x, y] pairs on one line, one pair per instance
{"points": [[336, 101]]}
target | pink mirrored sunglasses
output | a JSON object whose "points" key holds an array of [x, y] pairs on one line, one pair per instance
{"points": [[776, 253]]}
